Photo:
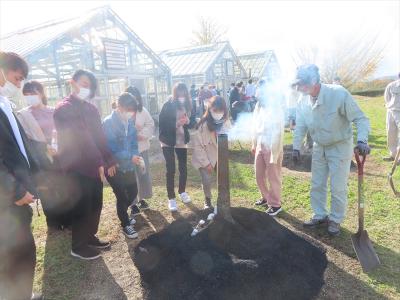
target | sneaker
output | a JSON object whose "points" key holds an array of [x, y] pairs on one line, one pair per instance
{"points": [[143, 205], [315, 222], [172, 205], [333, 228], [86, 253], [130, 232], [185, 197], [273, 211], [132, 221], [135, 210], [37, 296], [96, 243], [261, 202], [207, 204]]}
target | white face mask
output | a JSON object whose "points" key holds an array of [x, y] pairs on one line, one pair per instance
{"points": [[181, 99], [216, 116], [83, 93], [8, 89], [33, 100]]}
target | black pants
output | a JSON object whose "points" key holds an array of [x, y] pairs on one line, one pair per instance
{"points": [[53, 189], [125, 189], [88, 193], [169, 155], [17, 253]]}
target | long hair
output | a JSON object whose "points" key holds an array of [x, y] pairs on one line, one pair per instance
{"points": [[217, 103], [180, 87]]}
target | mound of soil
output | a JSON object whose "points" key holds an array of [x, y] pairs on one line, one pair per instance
{"points": [[255, 258]]}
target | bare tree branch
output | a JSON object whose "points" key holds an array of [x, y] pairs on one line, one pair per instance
{"points": [[208, 32]]}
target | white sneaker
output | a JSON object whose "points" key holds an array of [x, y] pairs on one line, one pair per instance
{"points": [[172, 205], [132, 221], [185, 197]]}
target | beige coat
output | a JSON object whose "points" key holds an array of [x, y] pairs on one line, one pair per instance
{"points": [[30, 125], [204, 143], [145, 127]]}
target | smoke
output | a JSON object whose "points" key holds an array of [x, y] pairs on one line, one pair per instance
{"points": [[268, 120]]}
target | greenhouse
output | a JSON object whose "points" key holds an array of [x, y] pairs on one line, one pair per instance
{"points": [[99, 41], [214, 63], [260, 64]]}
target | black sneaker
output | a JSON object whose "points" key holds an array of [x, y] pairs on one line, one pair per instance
{"points": [[130, 232], [86, 253], [273, 211], [261, 202], [143, 205], [96, 243], [207, 204], [135, 210]]}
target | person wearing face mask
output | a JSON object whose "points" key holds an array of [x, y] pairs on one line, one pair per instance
{"points": [[17, 189], [174, 123], [267, 146], [204, 155], [84, 156], [144, 125], [121, 136], [328, 112], [38, 123]]}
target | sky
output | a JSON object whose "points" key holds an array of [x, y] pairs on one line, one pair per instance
{"points": [[283, 26]]}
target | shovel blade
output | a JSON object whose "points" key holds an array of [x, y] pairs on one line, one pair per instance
{"points": [[366, 254]]}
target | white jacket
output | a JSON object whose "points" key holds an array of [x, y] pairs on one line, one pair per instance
{"points": [[392, 95], [268, 129], [144, 124]]}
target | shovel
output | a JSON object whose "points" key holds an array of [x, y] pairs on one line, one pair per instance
{"points": [[390, 175], [362, 245]]}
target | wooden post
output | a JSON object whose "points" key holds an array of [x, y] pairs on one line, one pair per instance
{"points": [[224, 199]]}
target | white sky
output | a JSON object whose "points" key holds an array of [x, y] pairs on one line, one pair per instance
{"points": [[252, 25]]}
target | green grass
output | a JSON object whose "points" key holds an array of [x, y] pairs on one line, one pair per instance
{"points": [[61, 277]]}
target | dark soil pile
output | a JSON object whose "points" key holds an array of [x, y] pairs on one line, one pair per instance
{"points": [[255, 258]]}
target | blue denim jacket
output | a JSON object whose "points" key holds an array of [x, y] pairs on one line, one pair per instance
{"points": [[123, 145]]}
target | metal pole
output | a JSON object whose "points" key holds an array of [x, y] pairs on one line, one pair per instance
{"points": [[224, 199]]}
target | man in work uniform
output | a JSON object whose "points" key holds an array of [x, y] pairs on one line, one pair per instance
{"points": [[392, 103], [327, 113]]}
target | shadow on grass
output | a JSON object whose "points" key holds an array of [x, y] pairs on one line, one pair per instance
{"points": [[65, 277], [387, 273]]}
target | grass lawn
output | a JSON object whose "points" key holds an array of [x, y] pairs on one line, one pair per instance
{"points": [[114, 276]]}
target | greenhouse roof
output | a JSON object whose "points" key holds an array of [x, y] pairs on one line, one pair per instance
{"points": [[256, 62], [193, 60]]}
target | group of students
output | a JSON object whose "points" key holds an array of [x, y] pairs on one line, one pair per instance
{"points": [[62, 156]]}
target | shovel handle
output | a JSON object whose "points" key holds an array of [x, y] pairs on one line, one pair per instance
{"points": [[360, 161]]}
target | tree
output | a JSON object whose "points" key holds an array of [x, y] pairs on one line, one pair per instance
{"points": [[353, 59], [208, 32]]}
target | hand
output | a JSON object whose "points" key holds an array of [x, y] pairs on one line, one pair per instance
{"points": [[51, 151], [112, 171], [140, 137], [363, 148], [138, 127], [101, 173], [210, 169], [26, 200], [136, 160], [295, 156]]}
